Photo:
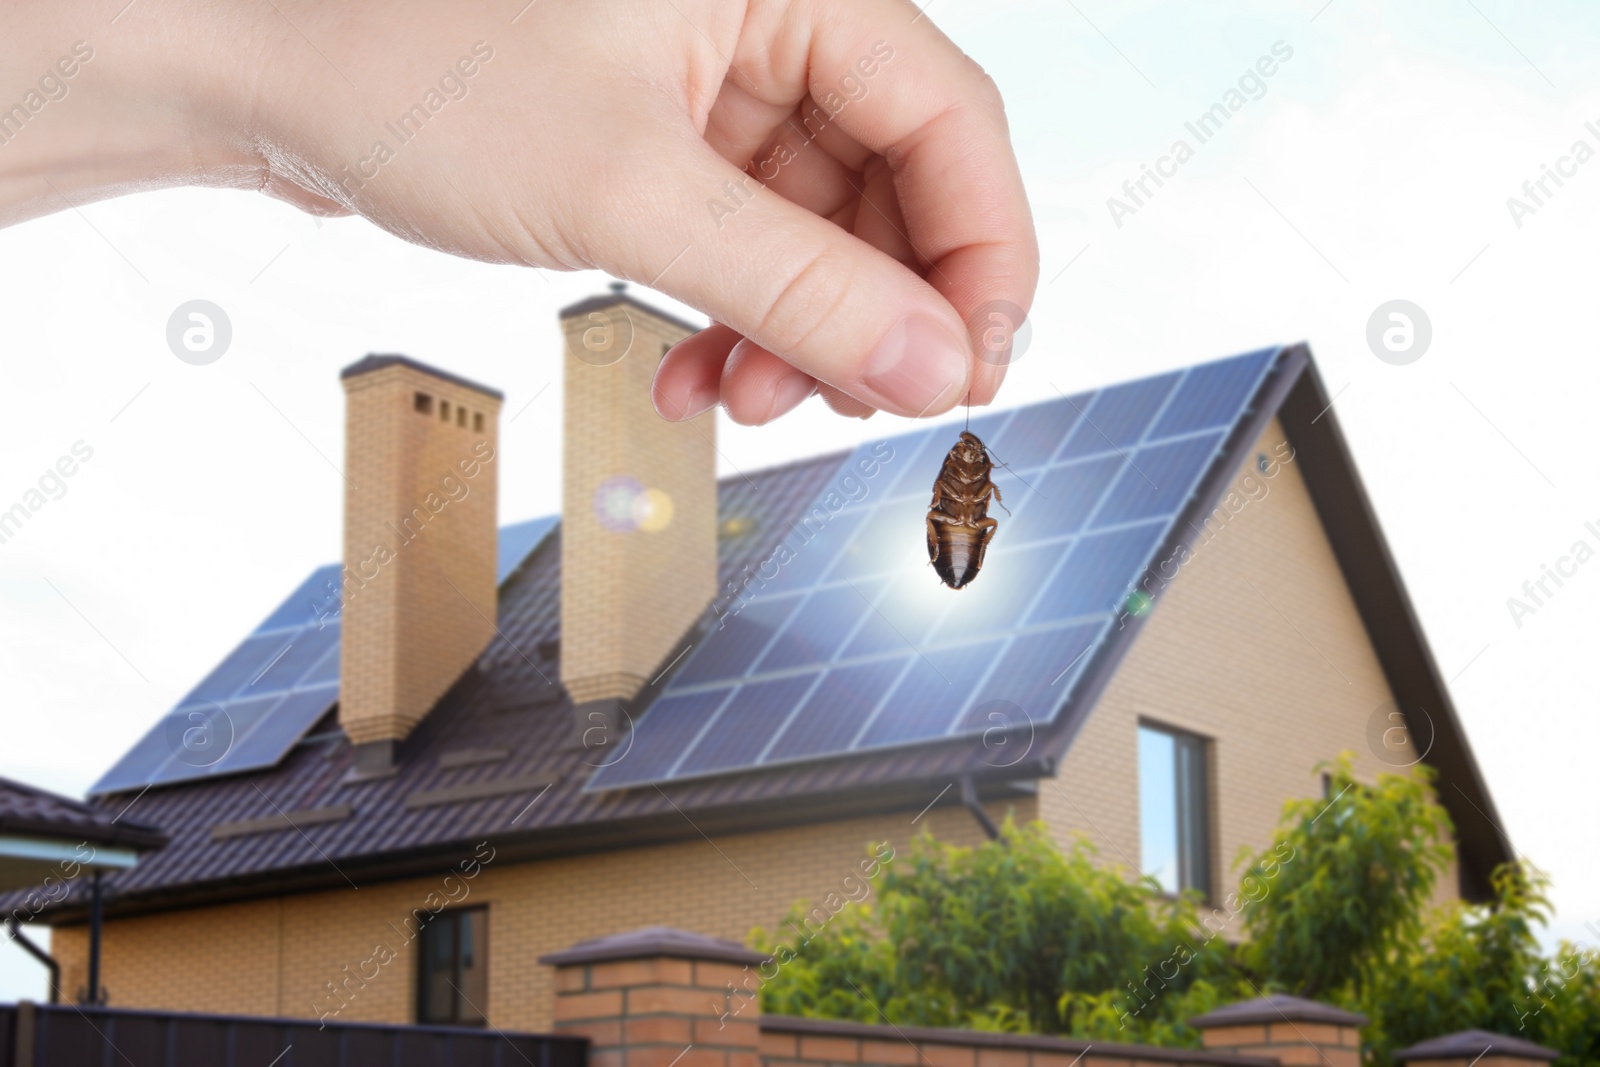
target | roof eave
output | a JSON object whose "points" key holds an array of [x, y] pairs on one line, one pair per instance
{"points": [[138, 838], [544, 843]]}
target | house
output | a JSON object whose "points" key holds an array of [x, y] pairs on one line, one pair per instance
{"points": [[693, 702], [47, 842]]}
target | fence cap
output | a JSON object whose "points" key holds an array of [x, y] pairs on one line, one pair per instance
{"points": [[654, 941], [1277, 1008], [1469, 1044]]}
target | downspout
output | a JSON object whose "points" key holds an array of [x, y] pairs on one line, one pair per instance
{"points": [[32, 948], [969, 797], [95, 909]]}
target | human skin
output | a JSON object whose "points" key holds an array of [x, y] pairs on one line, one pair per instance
{"points": [[597, 135]]}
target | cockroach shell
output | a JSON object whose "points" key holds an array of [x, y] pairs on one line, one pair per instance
{"points": [[958, 555], [959, 526]]}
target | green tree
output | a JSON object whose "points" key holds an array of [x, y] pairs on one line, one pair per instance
{"points": [[1018, 935], [1480, 966], [1013, 935], [1365, 865]]}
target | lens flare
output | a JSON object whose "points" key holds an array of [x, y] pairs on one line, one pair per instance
{"points": [[624, 504]]}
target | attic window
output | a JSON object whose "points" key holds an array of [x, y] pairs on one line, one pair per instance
{"points": [[477, 422], [422, 404]]}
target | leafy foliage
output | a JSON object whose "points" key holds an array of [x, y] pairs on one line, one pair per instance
{"points": [[1365, 865], [1020, 935], [1481, 967]]}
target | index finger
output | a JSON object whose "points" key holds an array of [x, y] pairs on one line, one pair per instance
{"points": [[896, 84]]}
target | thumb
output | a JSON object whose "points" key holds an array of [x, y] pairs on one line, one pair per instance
{"points": [[799, 286]]}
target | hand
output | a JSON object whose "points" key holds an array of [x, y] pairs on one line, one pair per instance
{"points": [[830, 180]]}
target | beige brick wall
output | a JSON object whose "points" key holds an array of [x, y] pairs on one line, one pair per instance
{"points": [[276, 957], [1257, 645], [628, 595], [893, 1047], [420, 539]]}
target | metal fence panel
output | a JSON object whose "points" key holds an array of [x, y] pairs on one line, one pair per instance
{"points": [[8, 1035], [70, 1036]]}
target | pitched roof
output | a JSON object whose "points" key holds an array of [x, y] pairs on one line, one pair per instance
{"points": [[374, 361], [1277, 1007], [654, 941], [27, 811], [499, 756], [1471, 1044], [618, 297]]}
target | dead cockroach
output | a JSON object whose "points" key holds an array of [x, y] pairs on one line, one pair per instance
{"points": [[959, 526]]}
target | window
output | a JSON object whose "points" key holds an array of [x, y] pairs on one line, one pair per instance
{"points": [[477, 422], [1174, 815], [423, 403], [453, 968]]}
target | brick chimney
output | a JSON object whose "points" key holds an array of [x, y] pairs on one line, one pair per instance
{"points": [[638, 509], [419, 592]]}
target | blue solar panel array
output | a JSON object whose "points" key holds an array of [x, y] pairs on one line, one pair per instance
{"points": [[518, 541], [854, 644], [260, 701]]}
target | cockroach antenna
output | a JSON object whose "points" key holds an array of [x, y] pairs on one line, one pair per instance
{"points": [[968, 426]]}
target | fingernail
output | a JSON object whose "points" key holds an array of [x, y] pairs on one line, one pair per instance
{"points": [[700, 401], [790, 392], [918, 364]]}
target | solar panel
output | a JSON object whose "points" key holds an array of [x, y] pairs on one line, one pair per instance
{"points": [[823, 623], [741, 640], [517, 543], [836, 709], [265, 694], [1117, 417], [855, 645], [1157, 478], [737, 736], [1062, 499], [929, 696], [913, 453]]}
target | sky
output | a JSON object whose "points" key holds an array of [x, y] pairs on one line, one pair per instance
{"points": [[1373, 165]]}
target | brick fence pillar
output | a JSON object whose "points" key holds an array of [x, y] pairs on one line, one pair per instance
{"points": [[660, 997], [1295, 1032], [1476, 1047]]}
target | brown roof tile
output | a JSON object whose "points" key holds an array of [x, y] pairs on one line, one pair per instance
{"points": [[31, 812]]}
